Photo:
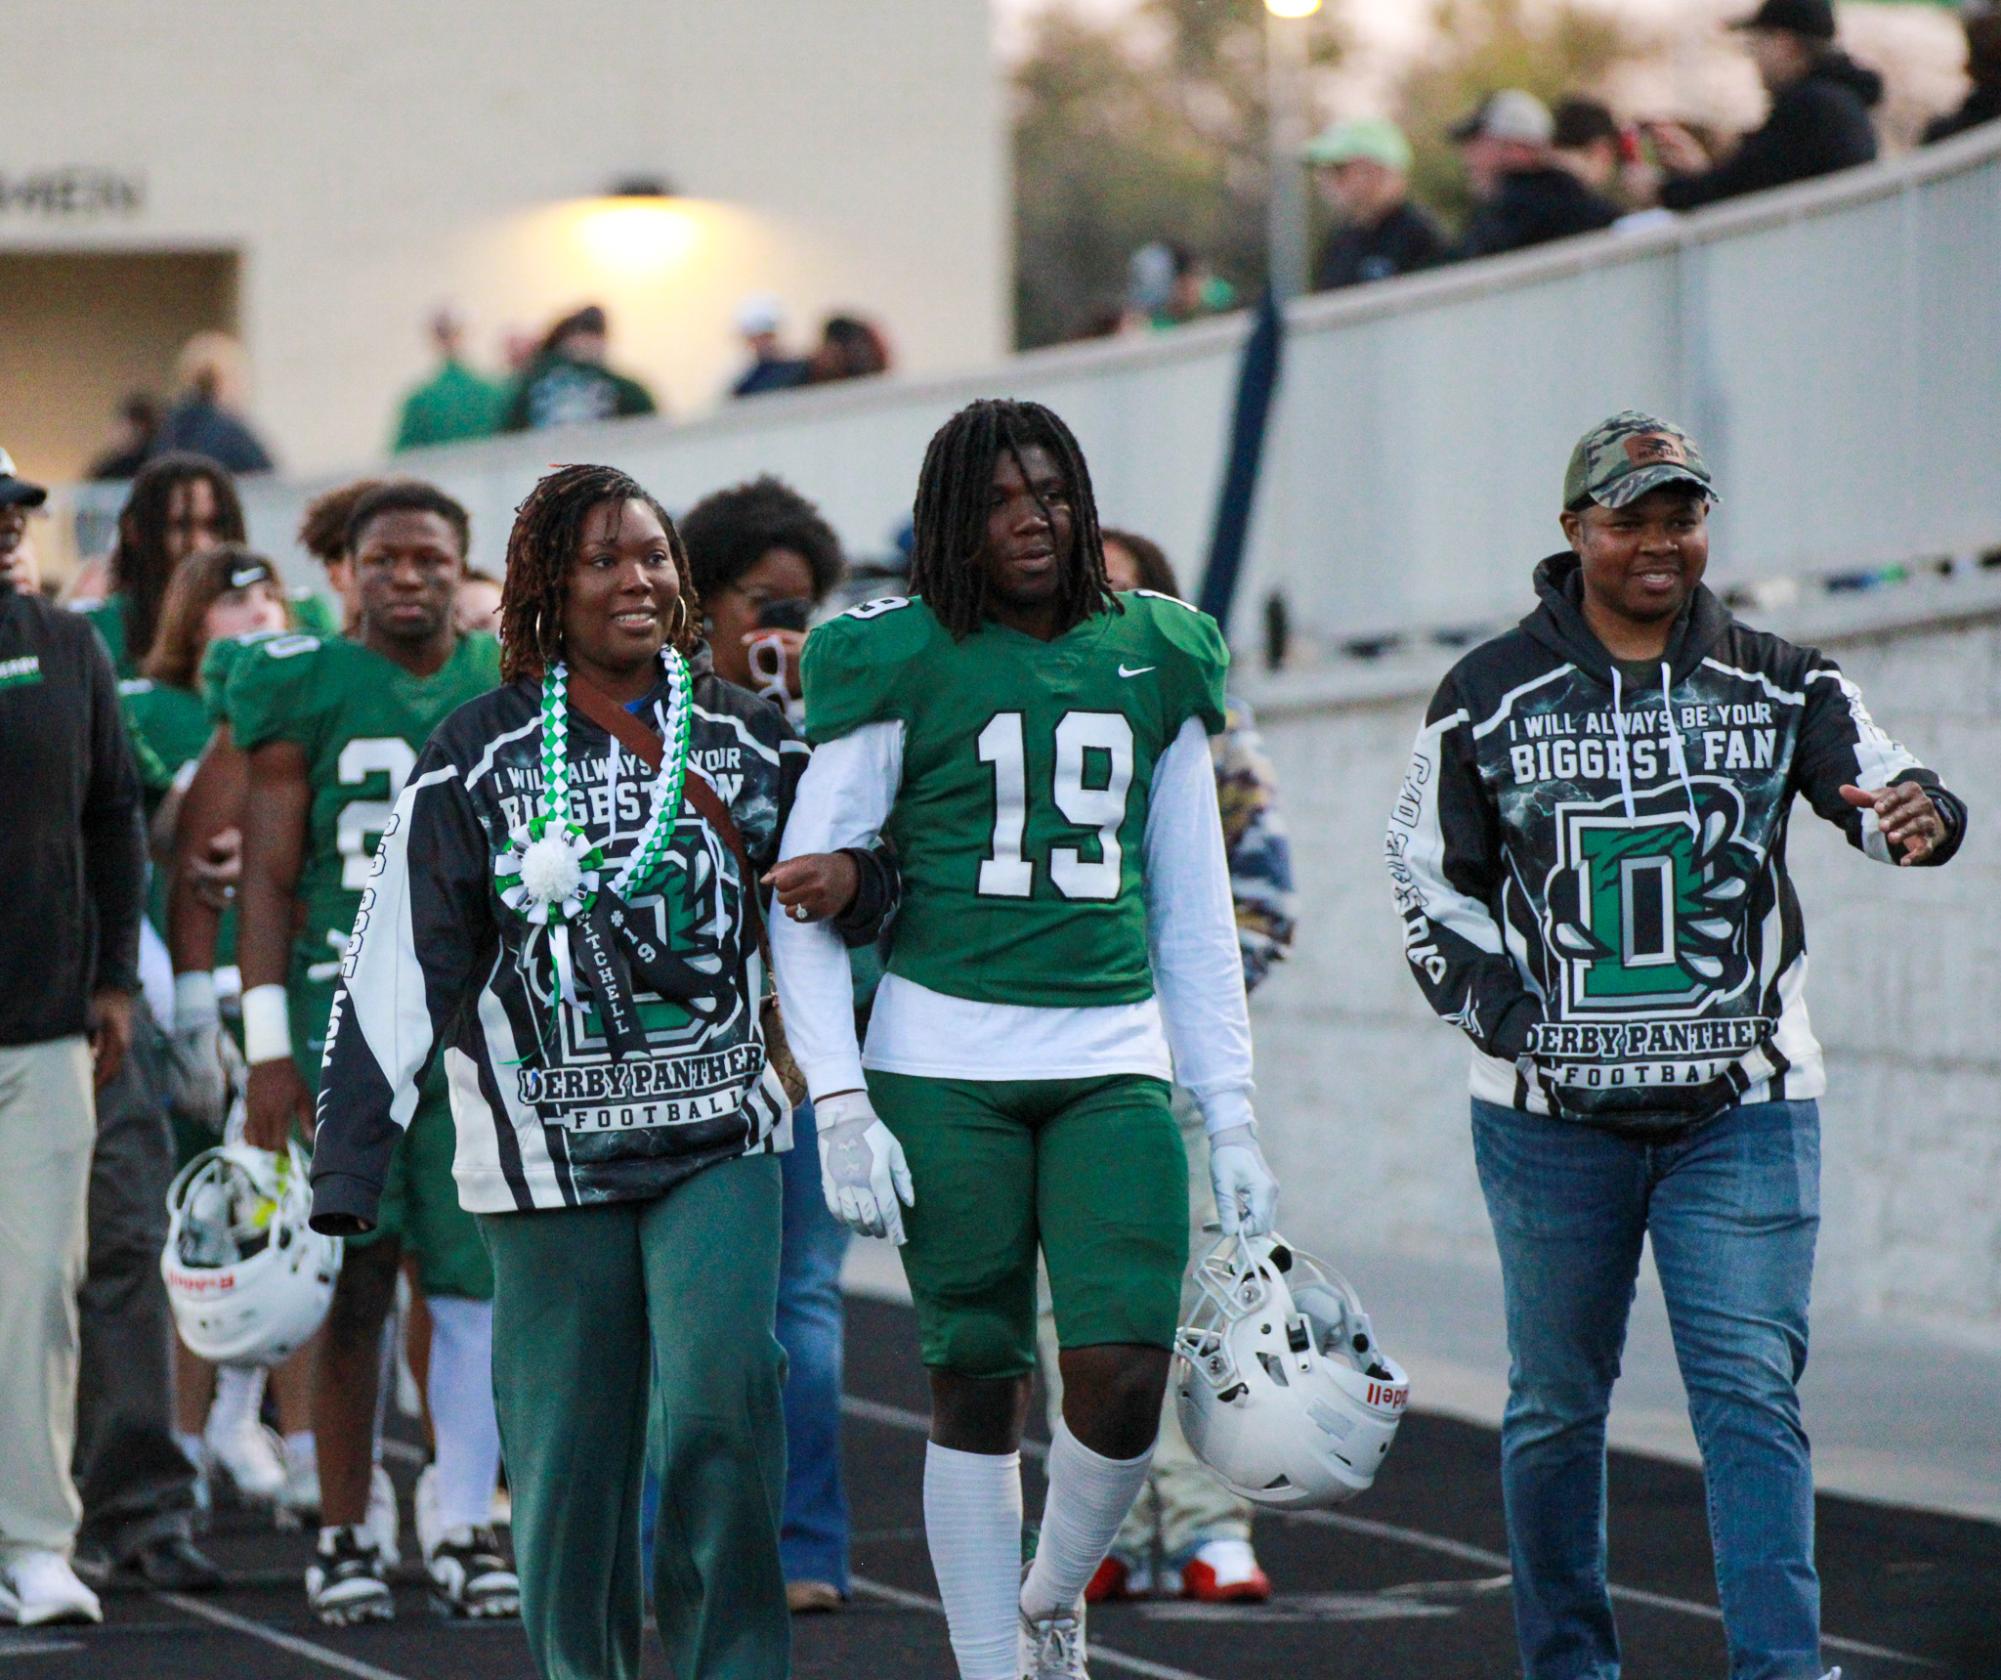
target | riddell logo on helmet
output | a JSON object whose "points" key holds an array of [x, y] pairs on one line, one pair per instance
{"points": [[1388, 1399], [1645, 448], [202, 1283]]}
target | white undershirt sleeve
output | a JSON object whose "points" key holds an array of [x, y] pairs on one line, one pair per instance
{"points": [[1191, 929], [843, 800]]}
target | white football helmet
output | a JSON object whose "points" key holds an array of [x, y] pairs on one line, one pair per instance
{"points": [[249, 1281], [1280, 1386]]}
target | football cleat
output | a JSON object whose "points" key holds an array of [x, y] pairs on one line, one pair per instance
{"points": [[1114, 1580], [1225, 1572], [1052, 1647], [346, 1583], [470, 1575]]}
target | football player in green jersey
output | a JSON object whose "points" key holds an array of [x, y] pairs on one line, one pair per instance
{"points": [[1036, 748], [330, 730]]}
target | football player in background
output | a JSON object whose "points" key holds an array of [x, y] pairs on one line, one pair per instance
{"points": [[1201, 1530], [1036, 749], [330, 730]]}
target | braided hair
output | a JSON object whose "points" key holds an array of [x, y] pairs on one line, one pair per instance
{"points": [[548, 526], [140, 567], [950, 517]]}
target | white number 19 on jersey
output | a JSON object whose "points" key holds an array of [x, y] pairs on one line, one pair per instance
{"points": [[1007, 872]]}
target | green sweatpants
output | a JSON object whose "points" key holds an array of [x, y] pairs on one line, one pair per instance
{"points": [[591, 1306]]}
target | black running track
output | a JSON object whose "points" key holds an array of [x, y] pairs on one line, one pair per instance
{"points": [[1409, 1581]]}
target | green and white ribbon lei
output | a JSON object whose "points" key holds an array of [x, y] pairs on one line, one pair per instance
{"points": [[550, 873]]}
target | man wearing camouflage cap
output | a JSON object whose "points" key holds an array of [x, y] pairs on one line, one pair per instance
{"points": [[1588, 853]]}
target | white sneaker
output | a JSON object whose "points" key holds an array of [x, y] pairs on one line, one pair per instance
{"points": [[424, 1509], [382, 1522], [1832, 1674], [40, 1587], [1051, 1647], [251, 1456]]}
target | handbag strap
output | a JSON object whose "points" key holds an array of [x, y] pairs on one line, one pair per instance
{"points": [[646, 746]]}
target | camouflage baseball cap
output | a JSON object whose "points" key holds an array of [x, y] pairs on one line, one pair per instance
{"points": [[1620, 460]]}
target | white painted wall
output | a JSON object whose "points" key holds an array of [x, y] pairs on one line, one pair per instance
{"points": [[1362, 1091], [371, 158]]}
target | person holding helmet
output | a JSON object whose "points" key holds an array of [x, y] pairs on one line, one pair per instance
{"points": [[1589, 854], [1364, 166]]}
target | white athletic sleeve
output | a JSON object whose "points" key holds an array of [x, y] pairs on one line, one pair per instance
{"points": [[843, 800], [1192, 931]]}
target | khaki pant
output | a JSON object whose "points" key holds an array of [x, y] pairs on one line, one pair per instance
{"points": [[48, 1124], [1183, 1504]]}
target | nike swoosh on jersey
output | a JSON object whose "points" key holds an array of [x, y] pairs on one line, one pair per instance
{"points": [[1136, 670]]}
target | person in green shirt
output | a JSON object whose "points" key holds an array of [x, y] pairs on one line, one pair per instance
{"points": [[568, 384], [455, 403]]}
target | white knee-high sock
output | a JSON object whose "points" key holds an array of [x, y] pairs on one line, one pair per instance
{"points": [[239, 1393], [1089, 1496], [972, 1523], [461, 1396]]}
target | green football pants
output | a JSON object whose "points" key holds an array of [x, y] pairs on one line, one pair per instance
{"points": [[591, 1307]]}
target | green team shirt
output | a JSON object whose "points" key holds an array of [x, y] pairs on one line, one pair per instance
{"points": [[1027, 773], [361, 720], [168, 727], [109, 617]]}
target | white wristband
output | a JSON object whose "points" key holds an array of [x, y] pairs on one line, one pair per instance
{"points": [[194, 1000], [267, 1025]]}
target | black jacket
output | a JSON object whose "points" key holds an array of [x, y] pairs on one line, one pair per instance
{"points": [[1818, 125], [72, 854], [1592, 873], [1533, 207], [1403, 242], [1983, 105]]}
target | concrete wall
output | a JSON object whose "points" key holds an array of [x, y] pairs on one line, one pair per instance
{"points": [[1363, 1092], [367, 160]]}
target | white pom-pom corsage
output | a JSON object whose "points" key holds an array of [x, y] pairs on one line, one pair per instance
{"points": [[550, 871], [551, 876]]}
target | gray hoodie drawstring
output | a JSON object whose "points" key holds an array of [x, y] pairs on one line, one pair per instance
{"points": [[1624, 755], [1675, 751]]}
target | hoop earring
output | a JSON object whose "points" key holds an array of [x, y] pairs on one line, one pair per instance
{"points": [[682, 618]]}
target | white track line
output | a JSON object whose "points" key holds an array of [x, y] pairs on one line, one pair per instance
{"points": [[902, 1417], [271, 1636], [1101, 1655]]}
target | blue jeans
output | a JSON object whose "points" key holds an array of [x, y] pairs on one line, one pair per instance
{"points": [[1733, 1209], [814, 1542]]}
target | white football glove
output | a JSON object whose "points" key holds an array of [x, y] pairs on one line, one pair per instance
{"points": [[862, 1171], [1246, 1192], [199, 1053]]}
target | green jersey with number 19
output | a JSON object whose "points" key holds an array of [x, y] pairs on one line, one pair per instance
{"points": [[1027, 774], [361, 720]]}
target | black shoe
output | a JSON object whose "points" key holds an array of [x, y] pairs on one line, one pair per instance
{"points": [[93, 1563], [470, 1575], [346, 1583], [173, 1563]]}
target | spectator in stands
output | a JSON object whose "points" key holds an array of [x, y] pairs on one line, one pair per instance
{"points": [[763, 559], [1983, 64], [74, 862], [455, 403], [1819, 120], [476, 607], [1525, 198], [205, 419], [131, 443], [567, 382], [851, 347], [1590, 144], [1364, 165], [759, 319]]}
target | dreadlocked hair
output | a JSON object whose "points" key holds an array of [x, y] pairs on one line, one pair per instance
{"points": [[548, 526], [140, 567], [950, 517]]}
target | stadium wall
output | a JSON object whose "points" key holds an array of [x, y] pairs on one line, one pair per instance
{"points": [[1362, 1091]]}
